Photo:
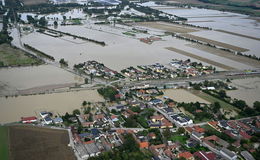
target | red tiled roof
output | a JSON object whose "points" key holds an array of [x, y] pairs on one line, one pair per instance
{"points": [[205, 155], [244, 135], [143, 144], [185, 155], [199, 129], [213, 123], [28, 118], [89, 142]]}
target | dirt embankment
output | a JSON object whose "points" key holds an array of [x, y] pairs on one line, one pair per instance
{"points": [[221, 53], [30, 143], [168, 27], [33, 2], [216, 43], [214, 63]]}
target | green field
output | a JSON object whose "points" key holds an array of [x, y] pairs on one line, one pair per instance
{"points": [[178, 138], [212, 99], [4, 152], [10, 56]]}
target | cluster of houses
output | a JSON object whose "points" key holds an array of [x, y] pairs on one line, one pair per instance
{"points": [[99, 70], [44, 118], [176, 68]]}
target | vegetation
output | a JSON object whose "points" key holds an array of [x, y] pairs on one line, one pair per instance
{"points": [[108, 93], [10, 56], [128, 151], [63, 62], [4, 151]]}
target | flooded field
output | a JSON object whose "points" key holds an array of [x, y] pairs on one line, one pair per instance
{"points": [[248, 90], [115, 55], [14, 79], [13, 108], [181, 95]]}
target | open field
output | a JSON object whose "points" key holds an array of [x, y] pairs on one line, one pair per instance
{"points": [[168, 27], [221, 53], [214, 63], [181, 95], [28, 142], [33, 2], [4, 141], [217, 43], [13, 108], [10, 56], [248, 90]]}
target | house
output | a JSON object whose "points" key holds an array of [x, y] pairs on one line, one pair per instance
{"points": [[214, 124], [144, 145], [227, 154], [181, 120], [47, 120], [247, 156], [152, 135], [157, 118], [44, 114], [28, 119], [114, 118], [186, 155], [57, 120], [87, 124], [156, 102], [202, 155], [92, 148]]}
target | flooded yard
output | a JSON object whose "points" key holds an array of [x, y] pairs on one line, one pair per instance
{"points": [[248, 90], [182, 95], [13, 108]]}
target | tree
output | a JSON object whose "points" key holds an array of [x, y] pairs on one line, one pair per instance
{"points": [[84, 103], [86, 80], [42, 21], [167, 133], [64, 18], [216, 107], [63, 62], [181, 130], [240, 104], [222, 94], [76, 112], [55, 23], [257, 106]]}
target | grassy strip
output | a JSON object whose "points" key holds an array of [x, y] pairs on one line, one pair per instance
{"points": [[4, 151], [212, 99], [10, 56]]}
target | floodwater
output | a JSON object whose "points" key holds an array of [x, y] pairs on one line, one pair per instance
{"points": [[120, 52], [181, 95], [20, 78], [13, 108], [248, 90], [228, 21]]}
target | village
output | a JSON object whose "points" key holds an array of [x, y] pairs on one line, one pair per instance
{"points": [[165, 128]]}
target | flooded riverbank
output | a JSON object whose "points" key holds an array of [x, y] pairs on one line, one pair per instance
{"points": [[13, 108]]}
